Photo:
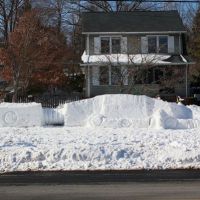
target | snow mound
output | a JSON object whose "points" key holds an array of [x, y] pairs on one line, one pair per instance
{"points": [[162, 120], [21, 115], [195, 111], [123, 110]]}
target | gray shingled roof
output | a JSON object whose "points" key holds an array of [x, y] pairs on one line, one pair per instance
{"points": [[137, 21]]}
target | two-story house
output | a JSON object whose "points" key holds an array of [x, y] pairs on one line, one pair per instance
{"points": [[151, 42]]}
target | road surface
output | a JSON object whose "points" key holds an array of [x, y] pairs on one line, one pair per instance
{"points": [[136, 185], [106, 191]]}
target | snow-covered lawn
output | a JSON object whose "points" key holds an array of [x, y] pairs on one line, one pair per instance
{"points": [[105, 132], [81, 148]]}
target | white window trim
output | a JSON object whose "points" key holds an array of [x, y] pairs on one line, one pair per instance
{"points": [[157, 41], [110, 41]]}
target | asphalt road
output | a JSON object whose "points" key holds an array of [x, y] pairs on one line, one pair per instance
{"points": [[115, 185], [104, 191]]}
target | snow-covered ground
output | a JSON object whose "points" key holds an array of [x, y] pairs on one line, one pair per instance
{"points": [[105, 132], [64, 148]]}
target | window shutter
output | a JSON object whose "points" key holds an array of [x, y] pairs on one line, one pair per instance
{"points": [[95, 75], [124, 45], [144, 44], [97, 45], [124, 72], [171, 44]]}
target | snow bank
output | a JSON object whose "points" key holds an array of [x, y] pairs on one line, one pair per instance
{"points": [[195, 111], [20, 114], [83, 148], [116, 111]]}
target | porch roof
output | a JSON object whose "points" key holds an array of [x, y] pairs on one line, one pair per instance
{"points": [[135, 59]]}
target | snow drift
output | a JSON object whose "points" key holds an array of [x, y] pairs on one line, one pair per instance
{"points": [[21, 115], [121, 110]]}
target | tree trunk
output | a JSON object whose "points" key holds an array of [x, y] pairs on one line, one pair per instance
{"points": [[15, 92], [59, 23]]}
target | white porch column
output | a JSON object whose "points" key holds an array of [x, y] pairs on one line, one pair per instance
{"points": [[180, 47], [87, 45], [186, 81], [88, 81]]}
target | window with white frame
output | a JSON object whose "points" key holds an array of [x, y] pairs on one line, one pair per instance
{"points": [[111, 75], [116, 75], [105, 45], [158, 44], [104, 75], [110, 45], [154, 75]]}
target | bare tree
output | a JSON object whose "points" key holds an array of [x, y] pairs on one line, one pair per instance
{"points": [[9, 14]]}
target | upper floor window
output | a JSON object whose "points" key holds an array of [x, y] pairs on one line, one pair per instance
{"points": [[158, 44], [116, 45], [110, 45], [152, 44], [163, 44], [105, 45]]}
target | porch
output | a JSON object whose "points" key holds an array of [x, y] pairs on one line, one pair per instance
{"points": [[167, 76]]}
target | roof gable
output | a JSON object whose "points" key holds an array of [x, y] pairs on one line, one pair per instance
{"points": [[137, 21]]}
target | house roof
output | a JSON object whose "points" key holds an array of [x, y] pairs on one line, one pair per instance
{"points": [[137, 21], [179, 59]]}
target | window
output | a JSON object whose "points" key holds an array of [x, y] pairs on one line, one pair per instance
{"points": [[110, 45], [111, 75], [105, 45], [152, 44], [104, 75], [158, 44], [116, 47], [163, 44], [158, 75], [115, 75], [154, 75]]}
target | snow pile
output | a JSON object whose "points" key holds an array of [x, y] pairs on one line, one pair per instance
{"points": [[161, 120], [195, 111], [83, 148], [116, 111], [21, 115], [109, 111]]}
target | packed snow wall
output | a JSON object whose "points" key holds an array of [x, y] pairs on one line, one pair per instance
{"points": [[121, 110], [21, 115], [110, 111]]}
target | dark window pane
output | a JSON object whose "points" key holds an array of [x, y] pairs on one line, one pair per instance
{"points": [[158, 74], [152, 44], [116, 48], [105, 45], [116, 75], [104, 75], [163, 44], [149, 76]]}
